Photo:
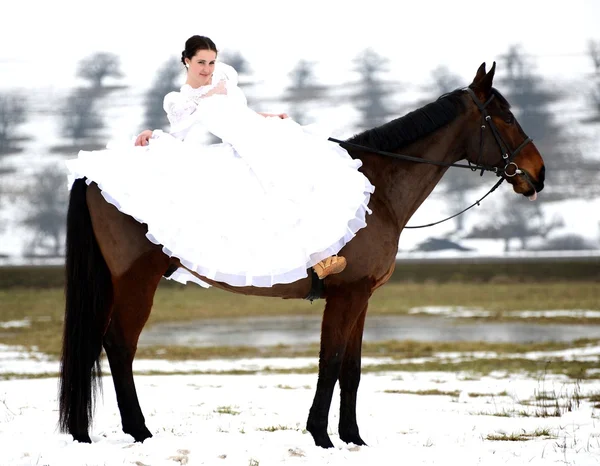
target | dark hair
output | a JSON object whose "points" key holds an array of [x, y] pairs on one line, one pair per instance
{"points": [[195, 43]]}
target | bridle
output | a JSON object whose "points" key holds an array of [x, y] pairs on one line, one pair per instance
{"points": [[508, 155], [509, 170]]}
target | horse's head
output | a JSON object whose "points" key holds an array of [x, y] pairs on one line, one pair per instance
{"points": [[499, 140]]}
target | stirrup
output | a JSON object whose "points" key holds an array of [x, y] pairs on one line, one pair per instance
{"points": [[330, 266]]}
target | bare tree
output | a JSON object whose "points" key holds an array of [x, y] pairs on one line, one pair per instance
{"points": [[595, 95], [303, 89], [457, 187], [81, 120], [515, 62], [567, 242], [594, 52], [443, 80], [99, 66], [165, 82], [237, 60], [47, 211], [532, 98], [12, 115], [518, 219], [3, 193], [10, 193], [371, 98]]}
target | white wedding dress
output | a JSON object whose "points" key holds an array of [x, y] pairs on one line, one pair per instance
{"points": [[258, 209]]}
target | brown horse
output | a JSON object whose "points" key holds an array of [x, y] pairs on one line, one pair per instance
{"points": [[112, 270]]}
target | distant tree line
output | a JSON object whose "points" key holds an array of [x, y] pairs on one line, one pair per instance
{"points": [[376, 99]]}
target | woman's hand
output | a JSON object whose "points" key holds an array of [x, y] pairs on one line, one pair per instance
{"points": [[283, 116], [144, 138], [218, 89]]}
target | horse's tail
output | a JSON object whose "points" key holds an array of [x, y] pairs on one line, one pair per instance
{"points": [[88, 293]]}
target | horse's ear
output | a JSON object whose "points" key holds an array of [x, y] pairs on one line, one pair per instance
{"points": [[483, 81], [486, 83], [480, 74]]}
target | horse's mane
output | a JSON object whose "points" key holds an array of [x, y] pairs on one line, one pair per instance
{"points": [[501, 98], [414, 125]]}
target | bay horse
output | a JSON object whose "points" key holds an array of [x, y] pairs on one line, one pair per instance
{"points": [[112, 270]]}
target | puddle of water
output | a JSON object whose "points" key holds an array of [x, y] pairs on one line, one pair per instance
{"points": [[299, 330]]}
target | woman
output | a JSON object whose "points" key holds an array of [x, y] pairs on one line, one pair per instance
{"points": [[271, 201]]}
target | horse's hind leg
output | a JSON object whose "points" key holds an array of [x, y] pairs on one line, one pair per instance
{"points": [[344, 306], [349, 380], [133, 297]]}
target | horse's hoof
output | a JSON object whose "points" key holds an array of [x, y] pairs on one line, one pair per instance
{"points": [[139, 435], [322, 441], [82, 438], [353, 438]]}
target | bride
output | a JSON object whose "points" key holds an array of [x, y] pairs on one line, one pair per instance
{"points": [[269, 202]]}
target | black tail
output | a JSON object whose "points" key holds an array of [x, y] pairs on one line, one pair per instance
{"points": [[88, 291]]}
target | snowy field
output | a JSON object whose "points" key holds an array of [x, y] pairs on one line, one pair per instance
{"points": [[258, 419]]}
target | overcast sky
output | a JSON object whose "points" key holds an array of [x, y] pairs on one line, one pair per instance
{"points": [[41, 41]]}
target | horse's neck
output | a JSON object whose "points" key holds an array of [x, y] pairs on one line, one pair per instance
{"points": [[403, 186]]}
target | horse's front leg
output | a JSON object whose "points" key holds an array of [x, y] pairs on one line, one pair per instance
{"points": [[344, 305]]}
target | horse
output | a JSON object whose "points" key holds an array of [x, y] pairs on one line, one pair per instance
{"points": [[113, 270]]}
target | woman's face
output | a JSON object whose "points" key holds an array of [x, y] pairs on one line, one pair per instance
{"points": [[201, 67]]}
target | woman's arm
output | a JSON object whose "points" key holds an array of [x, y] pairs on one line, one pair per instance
{"points": [[144, 137]]}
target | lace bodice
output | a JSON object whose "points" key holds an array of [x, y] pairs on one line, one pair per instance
{"points": [[183, 107]]}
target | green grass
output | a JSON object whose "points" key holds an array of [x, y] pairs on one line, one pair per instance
{"points": [[505, 413], [520, 436], [276, 428], [18, 375], [479, 395], [594, 397], [227, 410], [289, 387], [433, 392]]}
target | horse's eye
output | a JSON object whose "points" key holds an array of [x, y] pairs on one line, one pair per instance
{"points": [[510, 118]]}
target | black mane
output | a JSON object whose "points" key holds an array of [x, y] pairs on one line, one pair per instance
{"points": [[412, 126], [501, 98]]}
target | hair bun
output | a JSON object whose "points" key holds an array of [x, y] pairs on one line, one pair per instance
{"points": [[183, 57]]}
